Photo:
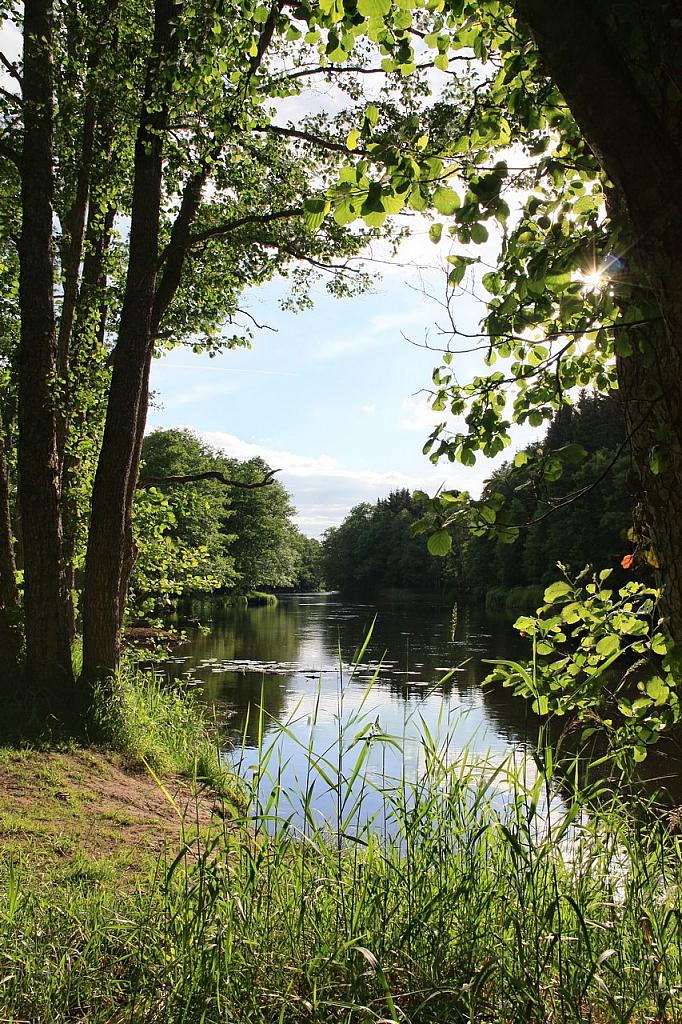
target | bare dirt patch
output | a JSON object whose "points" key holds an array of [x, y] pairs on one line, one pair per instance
{"points": [[88, 808]]}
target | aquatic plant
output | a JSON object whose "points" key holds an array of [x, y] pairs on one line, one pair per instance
{"points": [[458, 889]]}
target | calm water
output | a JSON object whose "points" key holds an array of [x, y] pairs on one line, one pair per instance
{"points": [[425, 664], [418, 684]]}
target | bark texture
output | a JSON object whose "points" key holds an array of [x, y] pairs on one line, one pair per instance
{"points": [[620, 71], [49, 677], [10, 631], [108, 554]]}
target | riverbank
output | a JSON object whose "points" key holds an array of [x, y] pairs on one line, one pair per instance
{"points": [[84, 814], [464, 908], [486, 889]]}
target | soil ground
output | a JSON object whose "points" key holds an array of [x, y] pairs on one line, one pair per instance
{"points": [[90, 813]]}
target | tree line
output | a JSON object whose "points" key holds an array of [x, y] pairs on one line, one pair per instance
{"points": [[197, 536], [584, 516]]}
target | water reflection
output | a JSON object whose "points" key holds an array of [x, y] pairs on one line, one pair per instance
{"points": [[291, 653], [425, 666]]}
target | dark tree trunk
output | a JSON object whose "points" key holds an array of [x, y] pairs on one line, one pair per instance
{"points": [[49, 674], [646, 388], [108, 548], [72, 255], [87, 349], [637, 138]]}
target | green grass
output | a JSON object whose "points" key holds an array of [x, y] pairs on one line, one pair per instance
{"points": [[260, 597], [163, 727], [482, 892]]}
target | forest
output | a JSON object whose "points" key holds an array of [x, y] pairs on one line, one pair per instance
{"points": [[585, 517], [344, 807], [204, 538]]}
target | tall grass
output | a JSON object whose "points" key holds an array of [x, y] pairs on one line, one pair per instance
{"points": [[471, 890], [163, 726]]}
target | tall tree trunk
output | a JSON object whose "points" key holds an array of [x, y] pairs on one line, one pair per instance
{"points": [[646, 387], [637, 138], [87, 352], [129, 549], [49, 675], [72, 255], [107, 541]]}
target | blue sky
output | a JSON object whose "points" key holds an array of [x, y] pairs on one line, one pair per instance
{"points": [[331, 397]]}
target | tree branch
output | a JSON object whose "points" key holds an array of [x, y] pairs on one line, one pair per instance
{"points": [[10, 153], [240, 222], [173, 257], [315, 140], [213, 474], [11, 69]]}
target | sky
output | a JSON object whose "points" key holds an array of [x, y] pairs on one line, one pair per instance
{"points": [[333, 397]]}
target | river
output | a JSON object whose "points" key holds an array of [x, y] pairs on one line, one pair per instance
{"points": [[419, 679]]}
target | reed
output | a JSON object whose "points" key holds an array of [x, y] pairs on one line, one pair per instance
{"points": [[466, 890]]}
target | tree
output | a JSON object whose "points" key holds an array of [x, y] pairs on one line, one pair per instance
{"points": [[156, 182], [311, 568], [204, 522], [577, 119], [265, 544], [582, 518], [618, 71], [375, 547]]}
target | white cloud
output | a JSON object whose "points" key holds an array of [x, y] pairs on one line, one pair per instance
{"points": [[417, 414], [323, 490], [295, 465], [369, 409], [315, 525]]}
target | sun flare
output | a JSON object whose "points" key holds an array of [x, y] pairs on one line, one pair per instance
{"points": [[593, 280]]}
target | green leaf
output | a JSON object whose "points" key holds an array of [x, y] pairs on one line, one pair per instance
{"points": [[446, 200], [435, 233], [571, 453], [541, 705], [439, 543], [586, 204], [374, 8], [556, 591], [659, 644], [608, 645], [657, 690], [314, 211], [479, 233]]}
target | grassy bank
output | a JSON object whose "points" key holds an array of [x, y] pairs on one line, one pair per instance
{"points": [[163, 727], [207, 605], [477, 891], [71, 811]]}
